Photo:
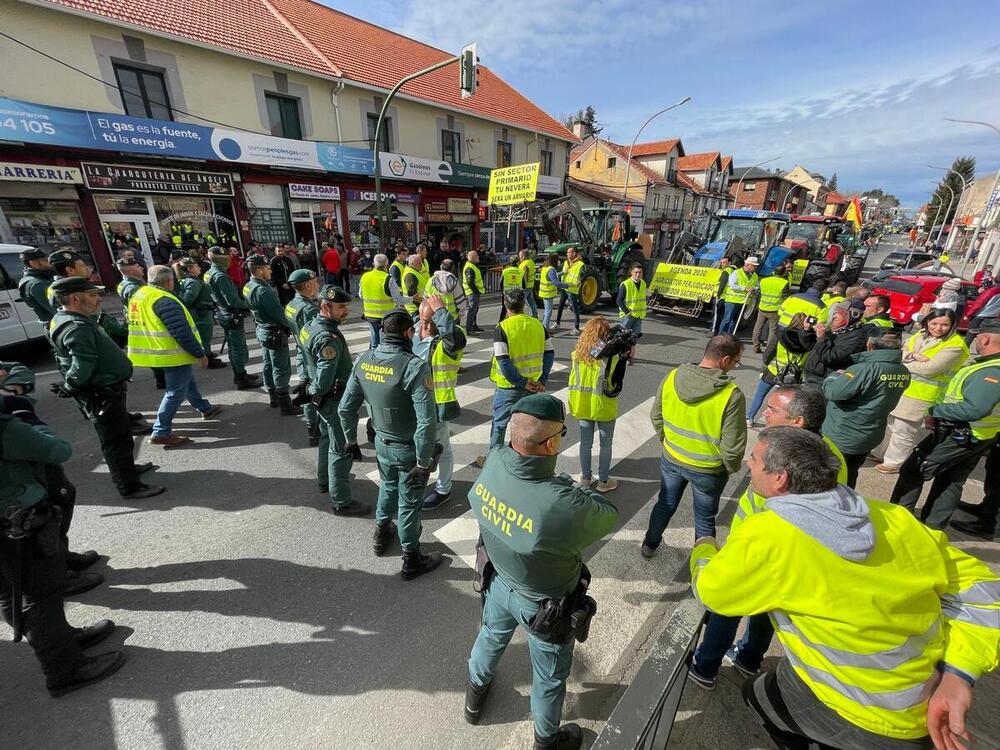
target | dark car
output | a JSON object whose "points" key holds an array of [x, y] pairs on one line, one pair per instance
{"points": [[898, 259], [881, 276]]}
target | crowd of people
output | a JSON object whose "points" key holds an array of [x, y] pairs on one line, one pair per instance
{"points": [[838, 385]]}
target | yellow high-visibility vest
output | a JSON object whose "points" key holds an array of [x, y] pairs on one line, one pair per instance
{"points": [[546, 288], [772, 291], [480, 288], [782, 358], [880, 322], [635, 299], [988, 427], [692, 433], [528, 269], [512, 276], [446, 297], [832, 299], [746, 280], [411, 306], [377, 304], [931, 389], [444, 372], [525, 347], [150, 343], [572, 277], [799, 304], [586, 390]]}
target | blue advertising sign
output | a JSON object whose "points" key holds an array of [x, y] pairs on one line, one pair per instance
{"points": [[56, 126]]}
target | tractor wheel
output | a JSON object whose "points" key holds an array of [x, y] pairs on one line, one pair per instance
{"points": [[629, 258], [590, 290]]}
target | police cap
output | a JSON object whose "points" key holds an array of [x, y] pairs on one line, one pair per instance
{"points": [[178, 253], [64, 257], [990, 326], [333, 293], [126, 261], [74, 284], [301, 275], [187, 261], [32, 253], [256, 261], [541, 406]]}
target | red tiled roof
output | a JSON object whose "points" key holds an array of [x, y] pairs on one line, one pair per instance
{"points": [[726, 163], [697, 162], [600, 192], [657, 147], [305, 35], [639, 167], [834, 197], [686, 182]]}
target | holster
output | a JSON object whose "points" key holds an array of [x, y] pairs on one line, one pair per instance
{"points": [[94, 402], [558, 620], [959, 432], [483, 573], [275, 337]]}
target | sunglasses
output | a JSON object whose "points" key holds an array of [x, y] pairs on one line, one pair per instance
{"points": [[561, 433]]}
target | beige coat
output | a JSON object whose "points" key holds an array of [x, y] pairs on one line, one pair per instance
{"points": [[913, 409]]}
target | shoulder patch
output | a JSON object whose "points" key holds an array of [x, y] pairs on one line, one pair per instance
{"points": [[328, 352]]}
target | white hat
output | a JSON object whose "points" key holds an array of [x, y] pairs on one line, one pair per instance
{"points": [[752, 259]]}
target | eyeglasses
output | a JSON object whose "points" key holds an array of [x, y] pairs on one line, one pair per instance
{"points": [[561, 433]]}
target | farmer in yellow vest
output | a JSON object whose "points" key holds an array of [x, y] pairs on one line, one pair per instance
{"points": [[572, 276], [414, 284], [773, 290], [699, 416], [472, 285], [527, 266], [632, 300], [162, 333], [379, 296], [511, 277], [742, 283]]}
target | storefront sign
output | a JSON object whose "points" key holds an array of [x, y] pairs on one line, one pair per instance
{"points": [[404, 167], [39, 173], [438, 218], [124, 179], [460, 205], [313, 192], [442, 218], [436, 206], [369, 195], [549, 185], [512, 185], [686, 282]]}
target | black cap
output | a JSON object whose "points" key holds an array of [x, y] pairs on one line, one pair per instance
{"points": [[541, 406], [32, 253], [178, 253], [187, 261], [73, 284], [64, 257], [990, 326], [127, 262], [256, 261], [333, 293], [856, 309]]}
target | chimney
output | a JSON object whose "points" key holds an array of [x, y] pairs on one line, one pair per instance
{"points": [[581, 130]]}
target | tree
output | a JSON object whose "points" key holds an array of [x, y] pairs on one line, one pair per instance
{"points": [[885, 200], [589, 117], [832, 184], [963, 169]]}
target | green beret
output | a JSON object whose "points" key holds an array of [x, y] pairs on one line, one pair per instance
{"points": [[541, 406], [301, 276], [64, 256], [333, 293], [255, 261]]}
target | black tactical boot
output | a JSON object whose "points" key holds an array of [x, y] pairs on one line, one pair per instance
{"points": [[568, 737], [416, 563], [214, 363], [288, 409], [92, 669], [475, 697], [382, 540], [245, 382], [272, 397]]}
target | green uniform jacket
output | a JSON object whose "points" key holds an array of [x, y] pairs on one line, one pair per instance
{"points": [[86, 355], [18, 374], [24, 451], [536, 525], [197, 298], [980, 393], [34, 287], [328, 359], [265, 305], [299, 311], [400, 393], [225, 294], [126, 288], [860, 400]]}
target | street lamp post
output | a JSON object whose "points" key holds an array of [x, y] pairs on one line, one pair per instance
{"points": [[944, 219], [785, 199], [628, 162], [736, 193], [982, 214]]}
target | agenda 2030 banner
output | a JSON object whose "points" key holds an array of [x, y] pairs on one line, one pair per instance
{"points": [[74, 128], [686, 282]]}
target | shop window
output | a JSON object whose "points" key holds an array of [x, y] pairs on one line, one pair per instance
{"points": [[48, 224], [269, 225], [283, 116], [144, 92], [451, 145], [545, 157], [503, 154], [385, 141]]}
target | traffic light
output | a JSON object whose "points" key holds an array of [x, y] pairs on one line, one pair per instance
{"points": [[468, 70], [373, 222]]}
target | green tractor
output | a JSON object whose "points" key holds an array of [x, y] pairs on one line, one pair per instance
{"points": [[603, 237]]}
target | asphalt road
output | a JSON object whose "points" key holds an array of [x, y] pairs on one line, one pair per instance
{"points": [[253, 617]]}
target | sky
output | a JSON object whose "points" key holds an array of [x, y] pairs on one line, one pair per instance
{"points": [[856, 88]]}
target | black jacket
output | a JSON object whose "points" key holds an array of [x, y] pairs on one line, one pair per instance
{"points": [[833, 352]]}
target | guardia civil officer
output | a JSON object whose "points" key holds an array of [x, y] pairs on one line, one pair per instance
{"points": [[397, 386], [534, 526], [36, 563], [197, 297], [965, 428], [231, 308], [34, 284], [96, 373], [328, 366], [272, 333], [302, 308], [67, 265]]}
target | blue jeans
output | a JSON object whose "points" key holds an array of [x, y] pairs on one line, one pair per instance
{"points": [[471, 317], [549, 303], [529, 297], [503, 611], [674, 479], [759, 397], [718, 307], [180, 385], [633, 324], [730, 316], [607, 433], [503, 404], [574, 303], [375, 334], [719, 636], [446, 463]]}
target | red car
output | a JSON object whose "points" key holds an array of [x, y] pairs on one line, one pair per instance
{"points": [[909, 293]]}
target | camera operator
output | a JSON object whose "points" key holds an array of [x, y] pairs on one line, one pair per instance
{"points": [[596, 377], [846, 336]]}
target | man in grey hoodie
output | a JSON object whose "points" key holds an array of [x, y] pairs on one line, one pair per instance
{"points": [[699, 416]]}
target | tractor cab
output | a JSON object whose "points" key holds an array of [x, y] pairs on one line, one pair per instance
{"points": [[824, 244], [737, 233]]}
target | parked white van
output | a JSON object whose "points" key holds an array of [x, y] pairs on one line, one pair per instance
{"points": [[17, 321]]}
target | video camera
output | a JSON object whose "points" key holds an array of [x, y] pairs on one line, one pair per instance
{"points": [[619, 342]]}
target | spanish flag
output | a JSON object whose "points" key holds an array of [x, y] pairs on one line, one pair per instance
{"points": [[853, 213]]}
